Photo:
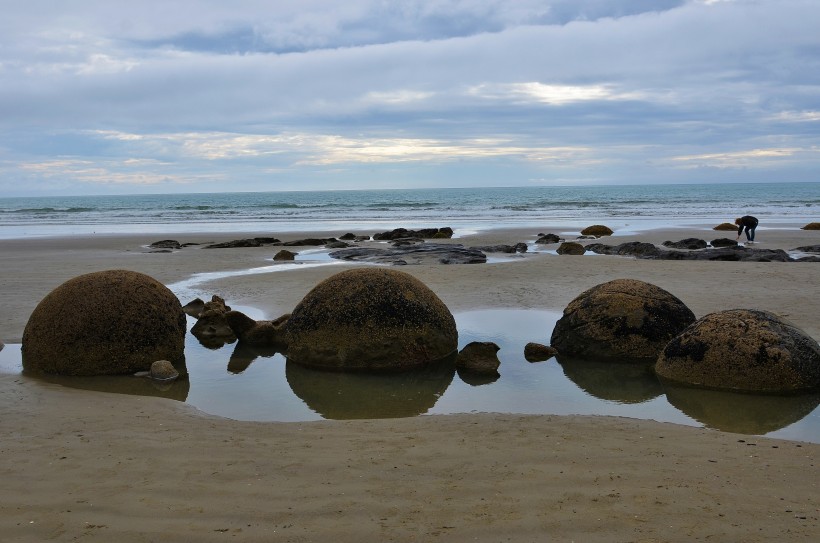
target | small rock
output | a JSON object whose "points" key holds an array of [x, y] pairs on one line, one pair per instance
{"points": [[284, 254], [479, 357], [537, 352], [163, 370]]}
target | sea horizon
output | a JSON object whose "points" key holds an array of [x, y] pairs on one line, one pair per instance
{"points": [[628, 208]]}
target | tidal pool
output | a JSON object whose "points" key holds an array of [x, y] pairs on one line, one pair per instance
{"points": [[250, 384]]}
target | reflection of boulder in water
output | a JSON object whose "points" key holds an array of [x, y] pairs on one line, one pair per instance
{"points": [[741, 413], [243, 355], [123, 384], [476, 379], [624, 383], [343, 395]]}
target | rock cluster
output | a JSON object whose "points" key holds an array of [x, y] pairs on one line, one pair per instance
{"points": [[104, 323]]}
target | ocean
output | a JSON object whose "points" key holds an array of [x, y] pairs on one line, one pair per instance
{"points": [[634, 207]]}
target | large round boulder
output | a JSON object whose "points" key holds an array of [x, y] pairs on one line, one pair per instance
{"points": [[744, 350], [370, 319], [622, 320], [104, 323]]}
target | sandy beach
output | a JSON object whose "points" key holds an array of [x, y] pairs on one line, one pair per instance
{"points": [[90, 466]]}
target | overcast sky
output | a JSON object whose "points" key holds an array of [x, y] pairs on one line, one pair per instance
{"points": [[108, 96]]}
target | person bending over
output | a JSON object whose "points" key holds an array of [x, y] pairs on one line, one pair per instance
{"points": [[748, 223]]}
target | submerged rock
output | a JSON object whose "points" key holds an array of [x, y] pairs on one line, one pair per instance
{"points": [[537, 352], [479, 357], [262, 333]]}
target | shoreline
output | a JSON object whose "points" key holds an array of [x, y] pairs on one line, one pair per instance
{"points": [[104, 467]]}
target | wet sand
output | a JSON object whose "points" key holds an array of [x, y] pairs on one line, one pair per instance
{"points": [[103, 467]]}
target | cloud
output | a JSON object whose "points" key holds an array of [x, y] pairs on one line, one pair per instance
{"points": [[296, 86]]}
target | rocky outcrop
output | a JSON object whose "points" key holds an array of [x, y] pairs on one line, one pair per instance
{"points": [[248, 242], [597, 230], [104, 323], [571, 248], [309, 242], [621, 320], [638, 249], [211, 327], [723, 242], [166, 244], [370, 319], [537, 352], [688, 243], [726, 226], [423, 253], [262, 333], [547, 239], [811, 226], [479, 357], [517, 248], [742, 350], [424, 233], [734, 254]]}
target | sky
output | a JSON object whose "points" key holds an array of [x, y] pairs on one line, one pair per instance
{"points": [[125, 97]]}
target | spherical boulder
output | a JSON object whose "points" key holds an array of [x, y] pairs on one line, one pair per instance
{"points": [[370, 319], [621, 320], [744, 350], [104, 323]]}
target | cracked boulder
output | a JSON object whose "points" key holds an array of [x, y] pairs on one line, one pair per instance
{"points": [[624, 320], [743, 350]]}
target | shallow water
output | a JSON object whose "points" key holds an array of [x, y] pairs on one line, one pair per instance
{"points": [[250, 384]]}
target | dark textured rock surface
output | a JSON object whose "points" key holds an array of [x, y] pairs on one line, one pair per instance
{"points": [[733, 254], [262, 333], [537, 352], [284, 255], [104, 323], [370, 319], [621, 320], [637, 249], [424, 233], [546, 239], [744, 350], [249, 242], [570, 248], [811, 226], [688, 243], [726, 226], [413, 254], [723, 242], [517, 248], [479, 357]]}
